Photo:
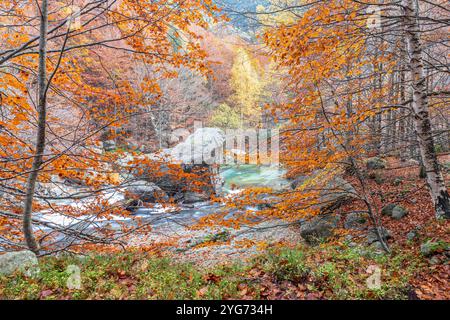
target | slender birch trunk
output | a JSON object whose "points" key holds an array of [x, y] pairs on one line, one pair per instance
{"points": [[435, 180], [40, 139]]}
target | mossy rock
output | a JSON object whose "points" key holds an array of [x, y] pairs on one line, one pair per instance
{"points": [[431, 248], [394, 211], [356, 220], [387, 210], [399, 212], [375, 163]]}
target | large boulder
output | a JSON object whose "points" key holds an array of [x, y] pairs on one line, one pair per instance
{"points": [[146, 192], [336, 191], [20, 261], [356, 220], [298, 181], [197, 155], [319, 228], [193, 197], [332, 194], [205, 145], [126, 161]]}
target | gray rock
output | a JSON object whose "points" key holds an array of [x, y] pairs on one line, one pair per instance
{"points": [[22, 261], [146, 192], [109, 145], [377, 246], [337, 190], [126, 161], [203, 146], [49, 190], [332, 195], [395, 211], [430, 248], [297, 181], [412, 235], [379, 179], [356, 220], [373, 237], [387, 210], [193, 197], [435, 260], [399, 212], [319, 228], [375, 163]]}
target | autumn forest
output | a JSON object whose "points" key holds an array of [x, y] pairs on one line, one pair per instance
{"points": [[223, 149]]}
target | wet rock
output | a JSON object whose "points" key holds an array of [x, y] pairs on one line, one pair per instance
{"points": [[146, 192], [193, 197]]}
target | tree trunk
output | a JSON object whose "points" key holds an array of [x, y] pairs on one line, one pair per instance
{"points": [[402, 136], [435, 180], [40, 139]]}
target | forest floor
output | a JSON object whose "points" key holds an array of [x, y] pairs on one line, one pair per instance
{"points": [[336, 269]]}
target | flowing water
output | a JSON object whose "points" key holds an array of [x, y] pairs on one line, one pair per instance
{"points": [[244, 176], [236, 178]]}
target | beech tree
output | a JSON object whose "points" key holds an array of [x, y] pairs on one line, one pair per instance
{"points": [[422, 122], [79, 95], [351, 72], [42, 118]]}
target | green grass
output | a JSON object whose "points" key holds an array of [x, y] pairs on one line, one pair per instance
{"points": [[342, 271], [339, 272], [121, 276]]}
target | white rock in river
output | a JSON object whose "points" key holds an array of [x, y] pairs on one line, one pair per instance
{"points": [[200, 146]]}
